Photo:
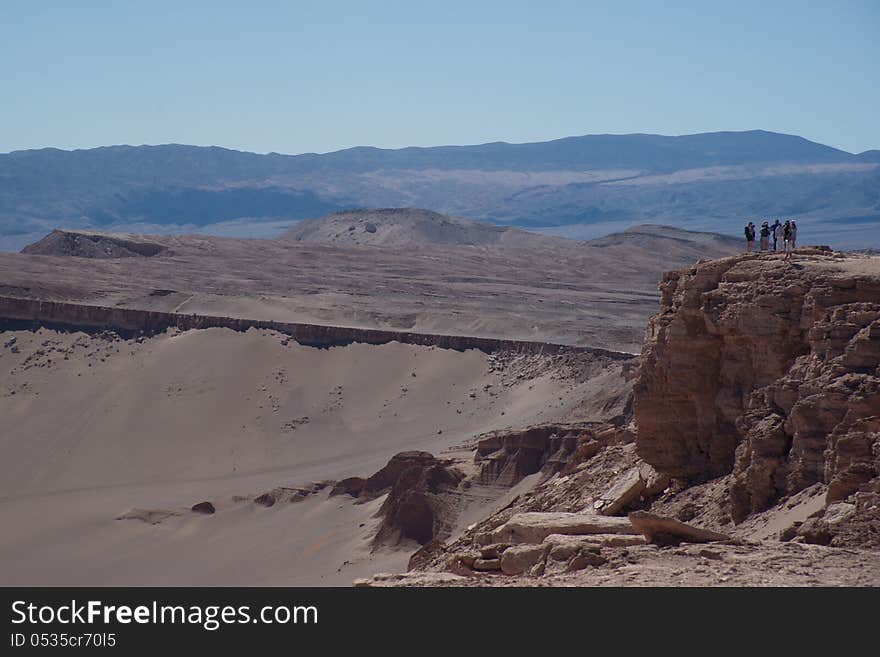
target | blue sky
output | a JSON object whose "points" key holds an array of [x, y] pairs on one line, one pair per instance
{"points": [[297, 77]]}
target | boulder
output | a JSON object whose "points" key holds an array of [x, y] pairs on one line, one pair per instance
{"points": [[838, 512], [266, 499], [518, 559], [655, 482], [567, 553], [203, 507]]}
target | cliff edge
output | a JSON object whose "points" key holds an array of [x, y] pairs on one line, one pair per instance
{"points": [[768, 370]]}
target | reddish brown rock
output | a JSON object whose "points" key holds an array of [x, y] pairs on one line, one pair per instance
{"points": [[766, 368]]}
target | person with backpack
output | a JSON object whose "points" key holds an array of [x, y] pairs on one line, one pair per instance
{"points": [[786, 238], [765, 237], [776, 232], [750, 237]]}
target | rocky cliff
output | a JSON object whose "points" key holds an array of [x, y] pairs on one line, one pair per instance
{"points": [[768, 370]]}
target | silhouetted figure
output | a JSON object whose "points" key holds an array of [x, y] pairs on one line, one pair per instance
{"points": [[786, 238], [793, 235], [765, 236], [776, 232], [750, 237]]}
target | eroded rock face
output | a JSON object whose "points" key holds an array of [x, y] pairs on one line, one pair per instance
{"points": [[506, 457], [766, 368], [418, 506]]}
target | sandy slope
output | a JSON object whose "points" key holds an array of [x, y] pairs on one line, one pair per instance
{"points": [[95, 427]]}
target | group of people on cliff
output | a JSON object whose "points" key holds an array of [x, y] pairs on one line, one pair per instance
{"points": [[778, 232]]}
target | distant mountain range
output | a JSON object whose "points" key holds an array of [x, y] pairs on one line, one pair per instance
{"points": [[579, 186]]}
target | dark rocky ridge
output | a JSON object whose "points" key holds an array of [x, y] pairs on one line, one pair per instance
{"points": [[79, 316]]}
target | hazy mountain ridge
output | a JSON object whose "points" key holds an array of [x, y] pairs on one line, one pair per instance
{"points": [[709, 181]]}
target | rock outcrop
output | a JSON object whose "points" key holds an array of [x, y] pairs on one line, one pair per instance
{"points": [[767, 369], [418, 506], [506, 457]]}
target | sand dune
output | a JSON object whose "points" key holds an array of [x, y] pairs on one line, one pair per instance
{"points": [[97, 427]]}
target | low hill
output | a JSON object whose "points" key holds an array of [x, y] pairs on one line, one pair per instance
{"points": [[407, 227], [419, 227], [667, 239], [84, 244]]}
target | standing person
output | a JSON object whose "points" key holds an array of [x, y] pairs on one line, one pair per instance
{"points": [[793, 235], [786, 238], [776, 232], [765, 236], [750, 237]]}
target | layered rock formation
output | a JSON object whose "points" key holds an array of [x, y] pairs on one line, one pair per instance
{"points": [[767, 369], [506, 457], [418, 506]]}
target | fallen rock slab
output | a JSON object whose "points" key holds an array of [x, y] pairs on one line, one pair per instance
{"points": [[534, 527], [625, 490], [661, 530]]}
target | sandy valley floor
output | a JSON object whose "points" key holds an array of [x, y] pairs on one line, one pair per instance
{"points": [[96, 427]]}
